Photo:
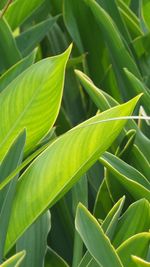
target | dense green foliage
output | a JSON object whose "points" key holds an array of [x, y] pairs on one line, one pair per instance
{"points": [[74, 133]]}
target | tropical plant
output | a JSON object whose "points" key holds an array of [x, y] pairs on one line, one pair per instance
{"points": [[74, 133]]}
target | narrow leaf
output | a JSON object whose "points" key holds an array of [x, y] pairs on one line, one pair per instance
{"points": [[14, 261], [95, 240]]}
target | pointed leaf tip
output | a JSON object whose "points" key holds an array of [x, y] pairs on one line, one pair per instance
{"points": [[67, 52], [135, 100]]}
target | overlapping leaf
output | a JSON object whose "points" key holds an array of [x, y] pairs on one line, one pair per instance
{"points": [[32, 101], [61, 165]]}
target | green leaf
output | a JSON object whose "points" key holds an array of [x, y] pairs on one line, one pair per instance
{"points": [[126, 145], [142, 45], [14, 261], [140, 262], [132, 219], [19, 11], [136, 245], [52, 259], [129, 12], [95, 240], [26, 162], [72, 99], [87, 258], [9, 53], [34, 242], [109, 225], [95, 94], [61, 237], [28, 40], [16, 69], [103, 101], [2, 3], [10, 162], [37, 94], [103, 202], [75, 14], [131, 21], [115, 45], [139, 87], [83, 144], [79, 194], [126, 176], [138, 160], [111, 7], [146, 12]]}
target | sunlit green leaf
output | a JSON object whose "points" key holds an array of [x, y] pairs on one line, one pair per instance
{"points": [[83, 145], [14, 261], [33, 102]]}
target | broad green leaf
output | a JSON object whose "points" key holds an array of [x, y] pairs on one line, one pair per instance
{"points": [[115, 45], [103, 101], [9, 53], [84, 145], [28, 40], [140, 262], [19, 11], [136, 245], [52, 259], [126, 176], [15, 70], [14, 261], [34, 242], [34, 99], [25, 163], [95, 240], [10, 162], [132, 219]]}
